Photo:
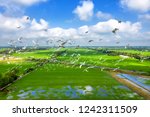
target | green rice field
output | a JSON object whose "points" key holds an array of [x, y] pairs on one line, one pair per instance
{"points": [[71, 73]]}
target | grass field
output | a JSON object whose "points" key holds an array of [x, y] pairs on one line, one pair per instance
{"points": [[70, 74], [35, 54]]}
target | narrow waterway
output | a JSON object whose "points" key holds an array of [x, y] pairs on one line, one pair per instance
{"points": [[141, 81]]}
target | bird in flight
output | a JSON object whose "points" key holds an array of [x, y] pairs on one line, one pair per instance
{"points": [[20, 39], [100, 39], [63, 43], [45, 30], [119, 21], [90, 40], [86, 31], [27, 18], [115, 30], [18, 26], [117, 42]]}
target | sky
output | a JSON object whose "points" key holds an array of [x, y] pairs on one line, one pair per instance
{"points": [[44, 22]]}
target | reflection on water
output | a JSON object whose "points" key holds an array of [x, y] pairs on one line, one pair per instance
{"points": [[138, 80], [71, 92]]}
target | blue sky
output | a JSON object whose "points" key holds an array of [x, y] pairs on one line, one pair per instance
{"points": [[70, 19], [59, 12]]}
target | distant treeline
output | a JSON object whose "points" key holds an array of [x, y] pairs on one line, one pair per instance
{"points": [[134, 55], [116, 53], [8, 77]]}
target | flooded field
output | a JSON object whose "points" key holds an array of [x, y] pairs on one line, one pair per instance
{"points": [[137, 80], [72, 92], [55, 81]]}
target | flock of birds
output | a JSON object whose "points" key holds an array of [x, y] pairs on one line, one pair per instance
{"points": [[61, 42]]}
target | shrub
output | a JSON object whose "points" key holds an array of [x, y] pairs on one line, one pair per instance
{"points": [[8, 77], [28, 70]]}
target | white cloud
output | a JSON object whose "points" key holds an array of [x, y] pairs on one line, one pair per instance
{"points": [[137, 5], [102, 15], [17, 7], [34, 30], [145, 17], [124, 27], [85, 10], [39, 26], [28, 2], [11, 24], [62, 33], [83, 29], [28, 29]]}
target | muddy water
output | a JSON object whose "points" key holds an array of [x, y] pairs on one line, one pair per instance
{"points": [[137, 80]]}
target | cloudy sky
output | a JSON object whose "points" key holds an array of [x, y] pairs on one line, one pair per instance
{"points": [[28, 22]]}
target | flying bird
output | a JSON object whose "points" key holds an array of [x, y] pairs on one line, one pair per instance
{"points": [[12, 43], [35, 43], [91, 67], [100, 39], [117, 42], [18, 26], [28, 18], [86, 31], [45, 30], [48, 41], [115, 69], [90, 40], [115, 30], [70, 43], [119, 21], [20, 39], [63, 43], [59, 41], [82, 64]]}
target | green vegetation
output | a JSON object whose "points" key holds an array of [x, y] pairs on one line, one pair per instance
{"points": [[98, 58], [56, 81], [68, 73], [35, 54], [11, 72], [20, 65], [147, 82], [139, 52], [8, 77]]}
